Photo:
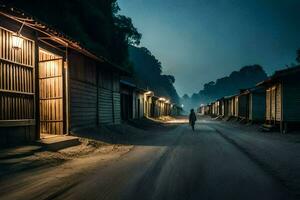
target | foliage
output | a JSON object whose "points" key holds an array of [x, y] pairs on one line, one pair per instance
{"points": [[96, 24], [148, 71]]}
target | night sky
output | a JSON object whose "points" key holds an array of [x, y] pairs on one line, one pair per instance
{"points": [[201, 40]]}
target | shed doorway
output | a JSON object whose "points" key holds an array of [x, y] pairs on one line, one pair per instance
{"points": [[51, 93]]}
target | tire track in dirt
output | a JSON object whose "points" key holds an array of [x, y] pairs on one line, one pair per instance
{"points": [[146, 186]]}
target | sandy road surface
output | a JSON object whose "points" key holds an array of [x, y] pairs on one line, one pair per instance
{"points": [[174, 164]]}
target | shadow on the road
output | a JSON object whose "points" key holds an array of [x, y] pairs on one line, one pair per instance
{"points": [[143, 133]]}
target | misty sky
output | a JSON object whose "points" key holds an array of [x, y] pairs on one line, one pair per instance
{"points": [[201, 40]]}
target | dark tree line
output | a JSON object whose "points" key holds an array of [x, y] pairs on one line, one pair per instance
{"points": [[246, 77], [148, 74], [96, 24]]}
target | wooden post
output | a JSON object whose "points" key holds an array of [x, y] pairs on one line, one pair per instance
{"points": [[36, 87], [65, 95]]}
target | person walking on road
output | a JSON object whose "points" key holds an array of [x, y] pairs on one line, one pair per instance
{"points": [[192, 119]]}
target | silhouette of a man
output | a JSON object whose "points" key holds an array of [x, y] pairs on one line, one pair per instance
{"points": [[192, 119]]}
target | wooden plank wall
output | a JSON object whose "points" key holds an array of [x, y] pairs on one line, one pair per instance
{"points": [[250, 106], [278, 103], [236, 106], [229, 107], [17, 88], [268, 104], [291, 99], [242, 106], [105, 106], [147, 106], [84, 105], [273, 103], [109, 103], [51, 93], [117, 107], [257, 106], [140, 105], [83, 92]]}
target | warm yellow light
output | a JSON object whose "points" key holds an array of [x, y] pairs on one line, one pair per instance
{"points": [[161, 99], [148, 93], [17, 41]]}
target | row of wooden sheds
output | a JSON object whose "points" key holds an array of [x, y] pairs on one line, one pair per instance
{"points": [[275, 101], [138, 103], [50, 84]]}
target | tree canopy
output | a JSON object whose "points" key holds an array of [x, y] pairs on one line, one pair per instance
{"points": [[95, 24], [148, 73]]}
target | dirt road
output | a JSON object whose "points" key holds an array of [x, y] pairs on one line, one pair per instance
{"points": [[174, 164]]}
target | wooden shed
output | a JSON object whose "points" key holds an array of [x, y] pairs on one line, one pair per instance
{"points": [[132, 101], [257, 104], [283, 98], [226, 107], [215, 108], [49, 83], [163, 106], [243, 104], [233, 106], [210, 109], [221, 107], [148, 103], [139, 103], [154, 107], [127, 100]]}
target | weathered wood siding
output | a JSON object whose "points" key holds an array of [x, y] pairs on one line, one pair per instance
{"points": [[291, 100], [257, 106], [273, 103], [139, 105], [117, 107], [278, 102], [268, 104], [17, 89], [83, 92], [236, 106], [109, 103], [243, 106], [147, 106], [51, 93], [141, 98], [230, 112], [83, 101], [94, 93], [105, 106]]}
